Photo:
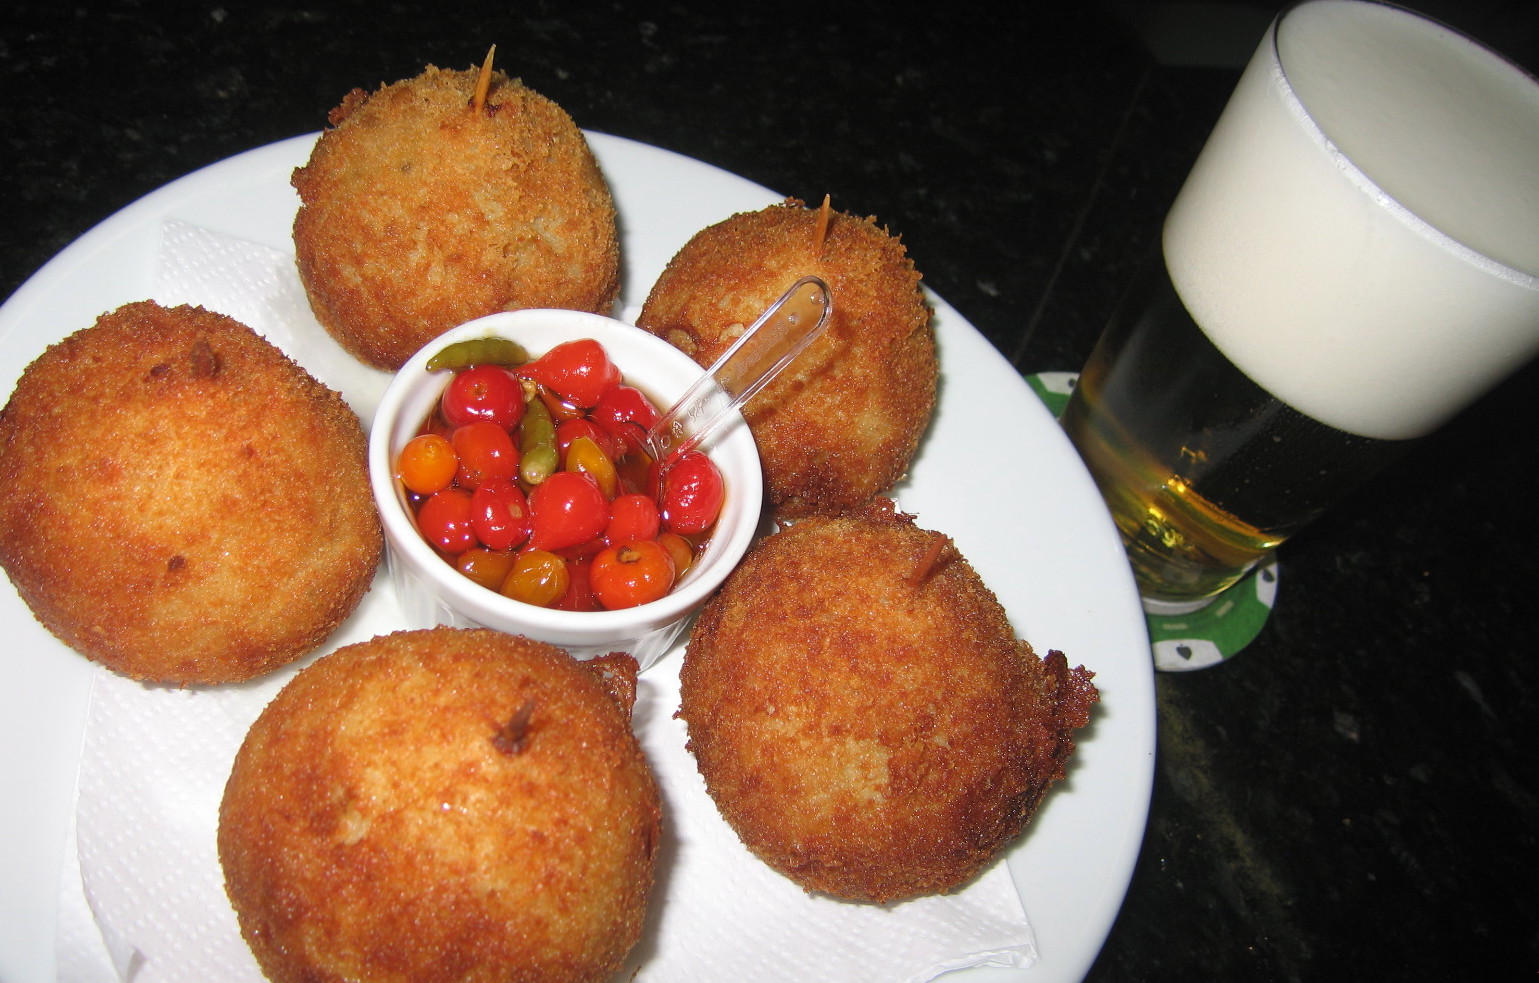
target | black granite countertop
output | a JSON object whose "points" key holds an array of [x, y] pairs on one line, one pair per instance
{"points": [[1357, 793]]}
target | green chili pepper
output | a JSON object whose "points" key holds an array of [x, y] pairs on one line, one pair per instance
{"points": [[479, 351], [538, 456]]}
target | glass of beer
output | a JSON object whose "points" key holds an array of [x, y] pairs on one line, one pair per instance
{"points": [[1353, 258]]}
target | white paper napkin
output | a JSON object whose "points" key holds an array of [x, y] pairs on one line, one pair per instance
{"points": [[149, 904], [143, 896]]}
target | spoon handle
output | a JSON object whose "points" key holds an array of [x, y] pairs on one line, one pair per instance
{"points": [[768, 345]]}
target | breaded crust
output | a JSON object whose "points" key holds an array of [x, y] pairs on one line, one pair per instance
{"points": [[441, 805], [419, 212], [181, 502], [842, 423], [863, 715]]}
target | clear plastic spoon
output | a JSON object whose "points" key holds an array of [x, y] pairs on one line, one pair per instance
{"points": [[785, 328]]}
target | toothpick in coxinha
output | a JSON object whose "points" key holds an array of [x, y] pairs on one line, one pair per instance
{"points": [[822, 230], [484, 82], [927, 562]]}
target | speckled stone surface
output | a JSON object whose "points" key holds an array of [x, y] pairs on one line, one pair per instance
{"points": [[1357, 794]]}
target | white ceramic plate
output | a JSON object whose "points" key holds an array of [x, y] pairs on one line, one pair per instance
{"points": [[995, 473]]}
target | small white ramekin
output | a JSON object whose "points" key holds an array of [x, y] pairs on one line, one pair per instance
{"points": [[430, 591]]}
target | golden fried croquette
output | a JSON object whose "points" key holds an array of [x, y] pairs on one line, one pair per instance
{"points": [[863, 715], [841, 424], [437, 805], [420, 212], [179, 501]]}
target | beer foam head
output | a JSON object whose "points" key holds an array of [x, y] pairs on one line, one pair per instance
{"points": [[1446, 130], [1361, 232]]}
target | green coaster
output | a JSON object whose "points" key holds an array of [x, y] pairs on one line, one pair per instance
{"points": [[1207, 636], [1219, 631], [1053, 388]]}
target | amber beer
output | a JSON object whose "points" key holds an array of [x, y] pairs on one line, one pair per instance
{"points": [[1204, 471], [1352, 260]]}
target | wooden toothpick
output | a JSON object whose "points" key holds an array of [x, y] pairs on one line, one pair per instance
{"points": [[484, 82], [926, 565], [821, 235]]}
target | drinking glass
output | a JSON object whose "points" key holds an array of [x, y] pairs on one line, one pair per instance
{"points": [[1353, 258]]}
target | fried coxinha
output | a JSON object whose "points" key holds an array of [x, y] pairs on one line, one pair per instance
{"points": [[179, 501], [444, 197], [842, 423], [863, 714], [443, 805]]}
